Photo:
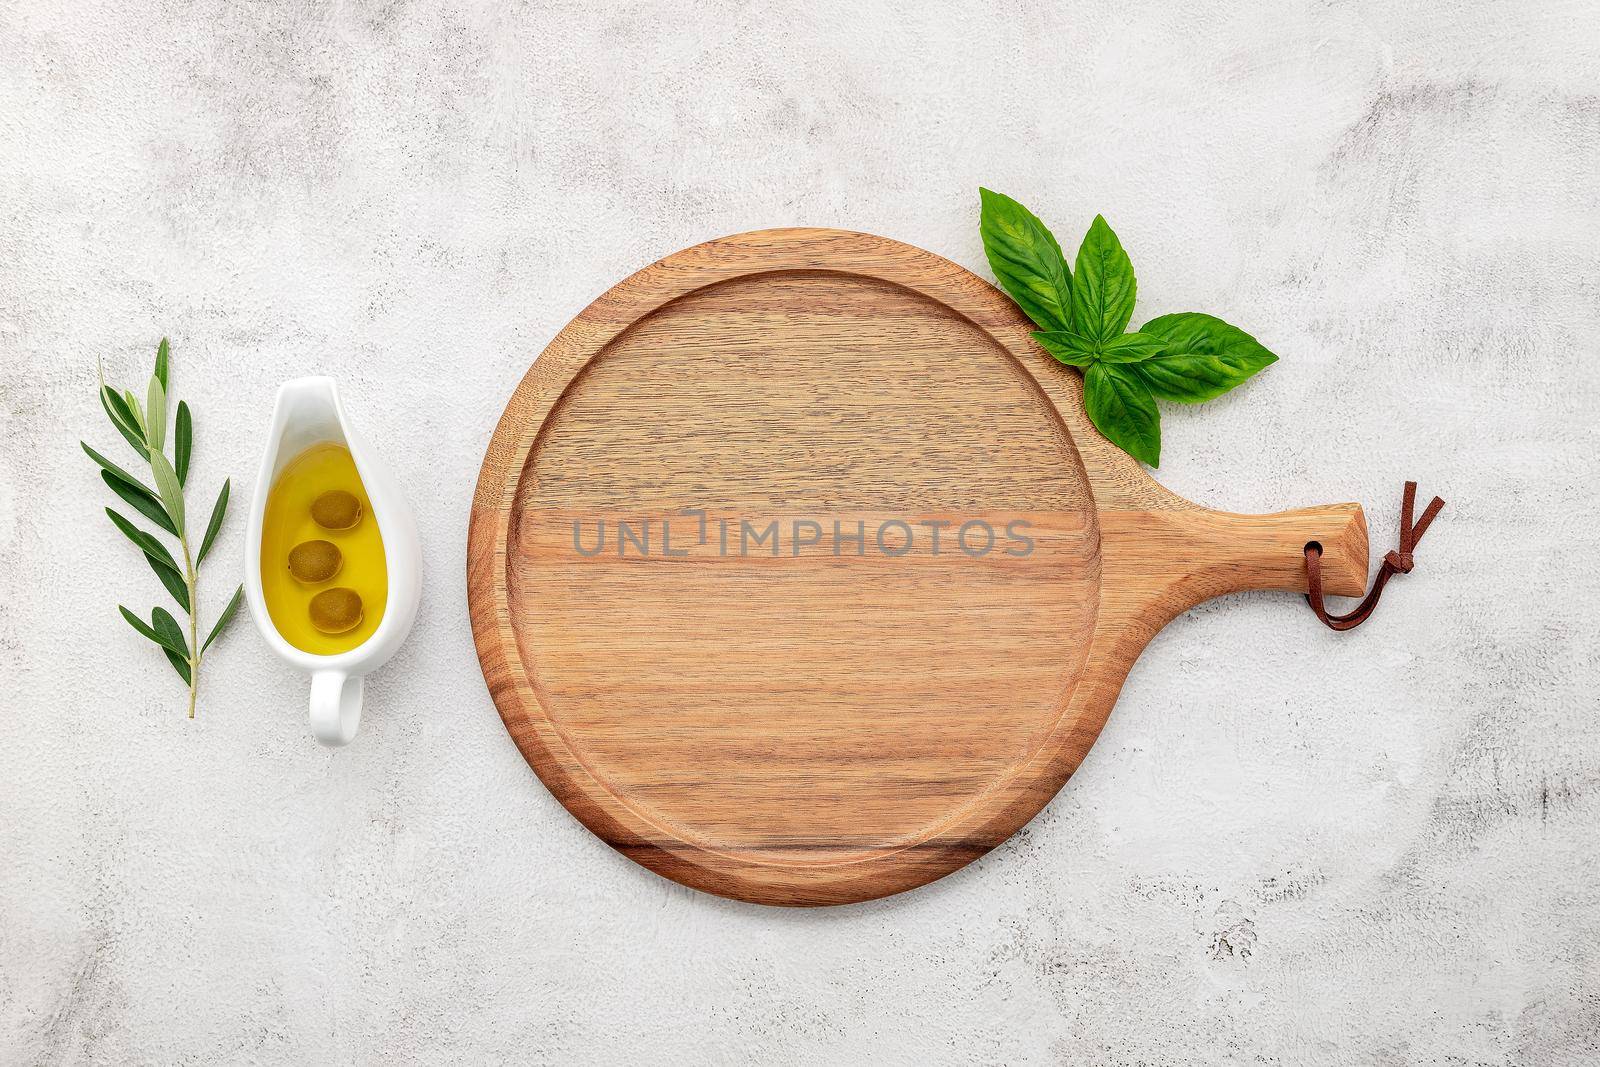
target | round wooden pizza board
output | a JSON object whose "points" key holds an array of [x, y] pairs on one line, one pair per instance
{"points": [[763, 679]]}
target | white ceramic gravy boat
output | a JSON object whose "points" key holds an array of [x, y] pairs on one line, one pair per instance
{"points": [[308, 412]]}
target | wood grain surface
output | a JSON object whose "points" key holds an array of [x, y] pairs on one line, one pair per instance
{"points": [[733, 690]]}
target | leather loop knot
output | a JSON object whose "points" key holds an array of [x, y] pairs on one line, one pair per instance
{"points": [[1397, 561]]}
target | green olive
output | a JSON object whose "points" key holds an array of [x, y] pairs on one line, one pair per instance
{"points": [[336, 510], [315, 561], [333, 611]]}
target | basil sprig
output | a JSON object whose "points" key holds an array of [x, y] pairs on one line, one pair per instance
{"points": [[1083, 322]]}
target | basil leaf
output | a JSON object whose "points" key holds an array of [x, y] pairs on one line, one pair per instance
{"points": [[225, 618], [1073, 349], [161, 362], [167, 486], [141, 499], [155, 415], [182, 442], [1131, 348], [1122, 408], [1204, 358], [218, 510], [1103, 294], [1026, 260]]}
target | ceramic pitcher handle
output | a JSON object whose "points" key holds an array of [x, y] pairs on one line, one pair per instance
{"points": [[335, 707]]}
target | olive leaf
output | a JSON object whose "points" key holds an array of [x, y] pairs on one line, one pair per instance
{"points": [[162, 351], [167, 626], [218, 510], [155, 415], [182, 442], [145, 543], [224, 618], [117, 407], [173, 581], [131, 405], [117, 411], [180, 665], [148, 631], [141, 499], [112, 468], [168, 487], [1027, 260], [129, 433]]}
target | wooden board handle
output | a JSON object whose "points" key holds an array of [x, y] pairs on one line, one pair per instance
{"points": [[1187, 555], [1268, 551]]}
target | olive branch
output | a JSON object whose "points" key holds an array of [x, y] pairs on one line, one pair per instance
{"points": [[145, 430]]}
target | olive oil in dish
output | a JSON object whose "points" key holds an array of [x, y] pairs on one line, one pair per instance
{"points": [[323, 572]]}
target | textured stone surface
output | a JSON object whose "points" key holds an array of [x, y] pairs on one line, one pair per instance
{"points": [[1290, 846]]}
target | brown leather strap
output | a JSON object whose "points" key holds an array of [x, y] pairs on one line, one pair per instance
{"points": [[1397, 562]]}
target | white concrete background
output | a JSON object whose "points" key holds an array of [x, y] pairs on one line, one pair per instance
{"points": [[1289, 846]]}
